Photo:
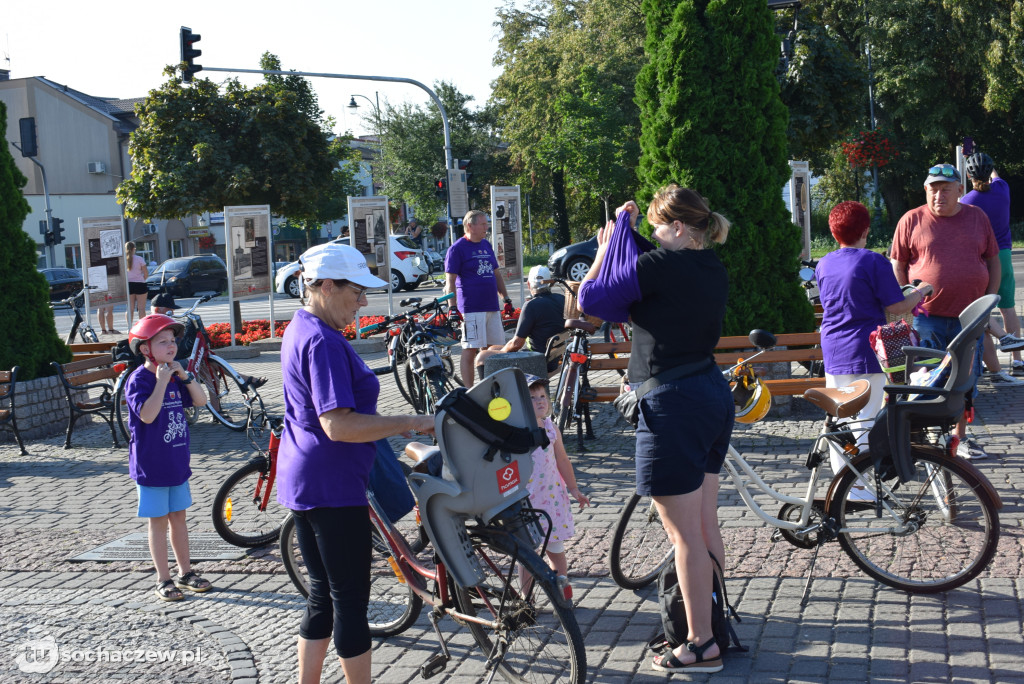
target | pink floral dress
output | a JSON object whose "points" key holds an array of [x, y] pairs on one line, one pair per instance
{"points": [[547, 488]]}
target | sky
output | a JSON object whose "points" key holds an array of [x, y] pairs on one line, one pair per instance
{"points": [[120, 50]]}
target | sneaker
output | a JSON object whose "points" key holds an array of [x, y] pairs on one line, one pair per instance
{"points": [[969, 450], [1018, 367], [1009, 342], [1003, 379]]}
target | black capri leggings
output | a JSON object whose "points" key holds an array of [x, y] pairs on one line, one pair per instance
{"points": [[336, 547]]}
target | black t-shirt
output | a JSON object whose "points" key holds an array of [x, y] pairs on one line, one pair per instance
{"points": [[679, 319], [541, 318]]}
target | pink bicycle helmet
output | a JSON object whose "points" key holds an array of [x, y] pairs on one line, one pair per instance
{"points": [[150, 325]]}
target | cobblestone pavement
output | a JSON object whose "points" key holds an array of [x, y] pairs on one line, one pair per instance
{"points": [[57, 504]]}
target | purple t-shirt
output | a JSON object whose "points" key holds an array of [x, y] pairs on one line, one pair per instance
{"points": [[158, 452], [996, 205], [473, 263], [322, 372], [855, 286]]}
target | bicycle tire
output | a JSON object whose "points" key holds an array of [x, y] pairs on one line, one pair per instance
{"points": [[639, 549], [563, 371], [945, 546], [538, 630], [226, 396], [398, 371], [236, 510], [121, 406], [438, 386], [567, 400], [393, 607]]}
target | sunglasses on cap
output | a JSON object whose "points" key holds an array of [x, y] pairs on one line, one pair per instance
{"points": [[943, 170]]}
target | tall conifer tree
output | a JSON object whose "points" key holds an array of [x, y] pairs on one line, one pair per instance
{"points": [[712, 120]]}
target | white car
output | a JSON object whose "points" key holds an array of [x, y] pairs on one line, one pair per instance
{"points": [[408, 267]]}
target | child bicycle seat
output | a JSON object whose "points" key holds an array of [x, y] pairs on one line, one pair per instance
{"points": [[889, 439], [486, 435]]}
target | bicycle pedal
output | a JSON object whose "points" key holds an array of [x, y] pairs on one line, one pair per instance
{"points": [[436, 663], [776, 536]]}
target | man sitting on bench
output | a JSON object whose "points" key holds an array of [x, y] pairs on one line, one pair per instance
{"points": [[540, 319]]}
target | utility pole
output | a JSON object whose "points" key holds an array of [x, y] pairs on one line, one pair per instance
{"points": [[50, 259]]}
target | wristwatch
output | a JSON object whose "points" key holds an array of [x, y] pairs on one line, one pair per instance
{"points": [[188, 379]]}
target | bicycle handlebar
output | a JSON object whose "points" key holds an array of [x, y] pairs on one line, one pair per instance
{"points": [[388, 320], [186, 312], [70, 301]]}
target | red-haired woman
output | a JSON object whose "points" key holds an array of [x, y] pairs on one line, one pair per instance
{"points": [[857, 289]]}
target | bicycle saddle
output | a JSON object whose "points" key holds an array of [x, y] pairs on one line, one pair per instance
{"points": [[580, 324], [411, 301], [841, 402]]}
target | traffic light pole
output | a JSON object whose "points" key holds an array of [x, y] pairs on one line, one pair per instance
{"points": [[386, 79], [49, 213]]}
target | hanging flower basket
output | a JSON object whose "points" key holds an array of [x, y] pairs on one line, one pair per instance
{"points": [[866, 149], [207, 242]]}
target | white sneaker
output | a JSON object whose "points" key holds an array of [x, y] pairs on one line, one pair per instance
{"points": [[1009, 342], [969, 450], [1017, 368], [1004, 379]]}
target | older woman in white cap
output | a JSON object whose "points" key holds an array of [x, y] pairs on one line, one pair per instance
{"points": [[326, 453]]}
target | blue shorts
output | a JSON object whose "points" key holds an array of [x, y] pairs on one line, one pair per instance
{"points": [[684, 432], [938, 331], [156, 502]]}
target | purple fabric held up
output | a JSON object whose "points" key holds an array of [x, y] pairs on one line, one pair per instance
{"points": [[616, 287]]}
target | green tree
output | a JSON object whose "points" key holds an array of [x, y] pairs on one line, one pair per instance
{"points": [[712, 120], [30, 334], [199, 148], [412, 150]]}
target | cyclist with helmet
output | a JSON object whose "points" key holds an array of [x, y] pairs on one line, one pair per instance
{"points": [[857, 289], [992, 195], [686, 421], [157, 394], [540, 319]]}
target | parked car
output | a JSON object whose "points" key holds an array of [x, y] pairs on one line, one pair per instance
{"points": [[408, 267], [185, 276], [63, 282], [573, 262]]}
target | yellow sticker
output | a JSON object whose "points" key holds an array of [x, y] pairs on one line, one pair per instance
{"points": [[499, 408]]}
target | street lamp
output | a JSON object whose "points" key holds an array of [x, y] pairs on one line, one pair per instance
{"points": [[353, 107]]}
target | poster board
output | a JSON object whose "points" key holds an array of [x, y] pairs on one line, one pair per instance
{"points": [[800, 201], [369, 229], [248, 249], [103, 260], [506, 231]]}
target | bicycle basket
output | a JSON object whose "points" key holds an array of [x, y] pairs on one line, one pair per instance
{"points": [[486, 435], [423, 357]]}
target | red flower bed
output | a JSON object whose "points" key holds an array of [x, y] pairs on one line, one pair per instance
{"points": [[220, 333]]}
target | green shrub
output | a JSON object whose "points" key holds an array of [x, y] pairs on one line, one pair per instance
{"points": [[29, 336]]}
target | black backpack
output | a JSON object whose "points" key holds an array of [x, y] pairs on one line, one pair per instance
{"points": [[673, 612]]}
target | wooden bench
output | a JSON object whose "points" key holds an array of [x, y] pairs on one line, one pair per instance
{"points": [[86, 350], [94, 371], [8, 383], [800, 347]]}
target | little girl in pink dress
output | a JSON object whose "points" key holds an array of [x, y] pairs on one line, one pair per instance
{"points": [[552, 481]]}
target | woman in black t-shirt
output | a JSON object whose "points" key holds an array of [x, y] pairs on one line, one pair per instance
{"points": [[686, 423]]}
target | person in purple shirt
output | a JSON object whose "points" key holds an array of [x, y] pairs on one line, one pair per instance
{"points": [[472, 273], [326, 452], [991, 194], [857, 288], [157, 394]]}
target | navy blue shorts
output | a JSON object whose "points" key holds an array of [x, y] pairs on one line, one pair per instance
{"points": [[684, 432]]}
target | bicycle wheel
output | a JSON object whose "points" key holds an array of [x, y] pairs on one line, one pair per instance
{"points": [[121, 406], [236, 508], [394, 607], [536, 637], [88, 335], [942, 534], [640, 548], [437, 386], [399, 373], [226, 398], [566, 401]]}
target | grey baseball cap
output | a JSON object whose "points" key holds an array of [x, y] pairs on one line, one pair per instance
{"points": [[942, 173]]}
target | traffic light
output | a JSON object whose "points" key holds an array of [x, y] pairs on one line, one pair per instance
{"points": [[57, 228], [441, 189], [189, 53]]}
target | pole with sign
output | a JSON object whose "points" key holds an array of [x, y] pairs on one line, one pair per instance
{"points": [[506, 233], [248, 248], [369, 221], [103, 258]]}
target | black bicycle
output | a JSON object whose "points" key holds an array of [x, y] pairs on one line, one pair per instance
{"points": [[76, 303]]}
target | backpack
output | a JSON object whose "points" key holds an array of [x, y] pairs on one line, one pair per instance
{"points": [[673, 612], [888, 341]]}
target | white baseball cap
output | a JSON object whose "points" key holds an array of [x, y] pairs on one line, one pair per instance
{"points": [[335, 261], [537, 275]]}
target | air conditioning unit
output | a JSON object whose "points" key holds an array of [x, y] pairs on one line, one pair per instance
{"points": [[149, 229], [97, 167]]}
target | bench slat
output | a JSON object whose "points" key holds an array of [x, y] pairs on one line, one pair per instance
{"points": [[90, 347], [90, 377], [87, 364]]}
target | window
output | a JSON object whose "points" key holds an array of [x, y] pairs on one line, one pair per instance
{"points": [[73, 256], [146, 250], [176, 248]]}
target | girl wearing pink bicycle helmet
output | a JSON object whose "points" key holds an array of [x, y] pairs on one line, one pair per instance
{"points": [[157, 394]]}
